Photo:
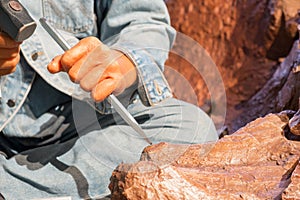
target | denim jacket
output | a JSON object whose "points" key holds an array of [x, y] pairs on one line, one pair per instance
{"points": [[138, 28]]}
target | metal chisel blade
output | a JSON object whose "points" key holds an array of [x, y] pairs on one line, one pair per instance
{"points": [[128, 118]]}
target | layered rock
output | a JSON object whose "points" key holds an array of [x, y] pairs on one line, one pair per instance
{"points": [[256, 162], [293, 190]]}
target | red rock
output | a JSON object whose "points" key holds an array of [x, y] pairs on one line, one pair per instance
{"points": [[293, 190], [256, 162], [244, 38]]}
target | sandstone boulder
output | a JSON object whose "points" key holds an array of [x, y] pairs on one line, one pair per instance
{"points": [[256, 162]]}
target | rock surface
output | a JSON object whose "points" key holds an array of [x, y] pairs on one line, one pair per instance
{"points": [[256, 162], [281, 92], [246, 39], [293, 190]]}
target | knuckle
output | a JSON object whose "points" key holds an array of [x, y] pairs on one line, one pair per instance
{"points": [[7, 42], [16, 60], [91, 42], [97, 97], [73, 76], [9, 53], [11, 63], [94, 96], [92, 39], [85, 86], [15, 54], [8, 67], [66, 61]]}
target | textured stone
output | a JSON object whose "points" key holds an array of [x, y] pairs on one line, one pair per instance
{"points": [[256, 162], [293, 190], [246, 40]]}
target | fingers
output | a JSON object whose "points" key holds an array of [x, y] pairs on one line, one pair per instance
{"points": [[7, 42], [9, 54], [114, 72], [94, 66], [99, 56], [99, 78], [55, 65], [76, 69], [92, 78], [103, 89], [8, 66], [81, 49], [7, 71], [74, 57]]}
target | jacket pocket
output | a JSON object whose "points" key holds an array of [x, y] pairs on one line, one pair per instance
{"points": [[74, 16]]}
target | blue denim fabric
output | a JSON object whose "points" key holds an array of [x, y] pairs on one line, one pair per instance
{"points": [[14, 88], [81, 167], [138, 28]]}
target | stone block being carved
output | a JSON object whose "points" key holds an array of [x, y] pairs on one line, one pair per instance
{"points": [[256, 162]]}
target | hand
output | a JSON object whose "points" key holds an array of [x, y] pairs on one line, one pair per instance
{"points": [[9, 54], [97, 68]]}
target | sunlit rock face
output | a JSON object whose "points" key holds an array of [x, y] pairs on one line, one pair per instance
{"points": [[256, 162]]}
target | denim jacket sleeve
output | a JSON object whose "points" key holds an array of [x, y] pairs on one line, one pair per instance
{"points": [[141, 30]]}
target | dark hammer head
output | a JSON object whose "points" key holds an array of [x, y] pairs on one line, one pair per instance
{"points": [[15, 20]]}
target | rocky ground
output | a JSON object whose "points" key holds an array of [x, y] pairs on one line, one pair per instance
{"points": [[256, 162], [247, 40]]}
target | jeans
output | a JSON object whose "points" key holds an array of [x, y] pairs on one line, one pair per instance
{"points": [[81, 166]]}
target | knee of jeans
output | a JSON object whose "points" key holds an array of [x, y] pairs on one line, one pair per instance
{"points": [[200, 123]]}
